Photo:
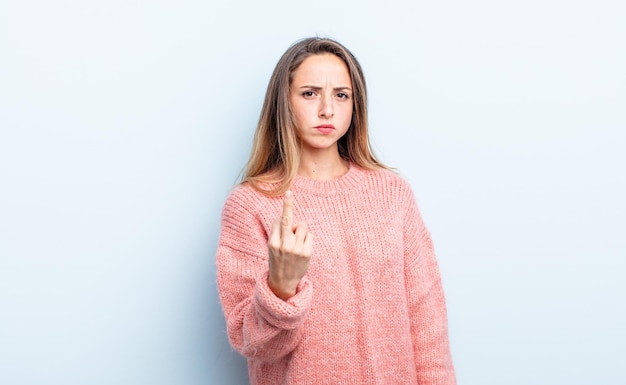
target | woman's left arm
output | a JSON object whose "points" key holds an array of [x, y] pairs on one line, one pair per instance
{"points": [[427, 306]]}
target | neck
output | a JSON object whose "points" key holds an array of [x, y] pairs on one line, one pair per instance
{"points": [[322, 166]]}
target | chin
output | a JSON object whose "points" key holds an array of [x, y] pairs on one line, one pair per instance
{"points": [[320, 146]]}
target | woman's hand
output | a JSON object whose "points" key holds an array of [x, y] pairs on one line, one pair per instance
{"points": [[290, 247]]}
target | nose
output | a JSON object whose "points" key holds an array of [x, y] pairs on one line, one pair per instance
{"points": [[326, 107]]}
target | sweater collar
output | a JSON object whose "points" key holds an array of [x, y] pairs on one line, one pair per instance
{"points": [[345, 184]]}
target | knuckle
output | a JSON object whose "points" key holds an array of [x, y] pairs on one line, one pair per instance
{"points": [[284, 248]]}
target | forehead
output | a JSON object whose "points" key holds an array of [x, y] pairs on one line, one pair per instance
{"points": [[322, 68]]}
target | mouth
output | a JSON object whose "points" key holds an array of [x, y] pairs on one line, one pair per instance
{"points": [[325, 128]]}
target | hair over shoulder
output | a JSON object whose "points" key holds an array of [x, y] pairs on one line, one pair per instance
{"points": [[275, 156]]}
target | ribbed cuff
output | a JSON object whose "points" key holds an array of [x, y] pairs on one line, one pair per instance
{"points": [[281, 314]]}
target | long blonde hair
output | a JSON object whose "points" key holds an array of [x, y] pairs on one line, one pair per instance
{"points": [[275, 156]]}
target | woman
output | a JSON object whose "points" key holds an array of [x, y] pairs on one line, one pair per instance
{"points": [[325, 269]]}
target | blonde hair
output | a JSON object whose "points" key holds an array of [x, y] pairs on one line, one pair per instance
{"points": [[275, 156]]}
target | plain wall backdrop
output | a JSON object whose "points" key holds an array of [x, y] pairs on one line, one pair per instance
{"points": [[124, 124]]}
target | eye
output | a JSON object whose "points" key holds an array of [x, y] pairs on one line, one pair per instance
{"points": [[342, 95], [308, 94]]}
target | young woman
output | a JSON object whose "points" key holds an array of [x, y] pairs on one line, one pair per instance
{"points": [[325, 269]]}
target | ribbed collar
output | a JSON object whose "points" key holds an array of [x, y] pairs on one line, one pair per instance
{"points": [[345, 184]]}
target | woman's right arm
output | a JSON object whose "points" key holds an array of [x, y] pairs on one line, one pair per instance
{"points": [[260, 325]]}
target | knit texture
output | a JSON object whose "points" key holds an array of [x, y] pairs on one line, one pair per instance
{"points": [[370, 309]]}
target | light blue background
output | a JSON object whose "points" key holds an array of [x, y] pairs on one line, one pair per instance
{"points": [[123, 125]]}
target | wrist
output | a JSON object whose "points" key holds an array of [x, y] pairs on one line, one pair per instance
{"points": [[280, 290]]}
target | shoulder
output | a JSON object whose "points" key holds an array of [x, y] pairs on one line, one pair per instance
{"points": [[245, 200], [387, 181], [391, 175], [246, 217], [241, 193]]}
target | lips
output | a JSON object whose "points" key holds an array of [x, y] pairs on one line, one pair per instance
{"points": [[325, 128]]}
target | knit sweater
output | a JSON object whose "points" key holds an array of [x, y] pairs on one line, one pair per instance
{"points": [[370, 309]]}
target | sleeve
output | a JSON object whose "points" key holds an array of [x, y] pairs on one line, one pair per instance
{"points": [[429, 323], [259, 325]]}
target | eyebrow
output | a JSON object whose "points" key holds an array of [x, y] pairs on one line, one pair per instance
{"points": [[316, 88]]}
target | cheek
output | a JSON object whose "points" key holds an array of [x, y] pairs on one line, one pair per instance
{"points": [[347, 115], [299, 120], [300, 112]]}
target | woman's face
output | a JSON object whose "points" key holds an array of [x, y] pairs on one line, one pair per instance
{"points": [[321, 100]]}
